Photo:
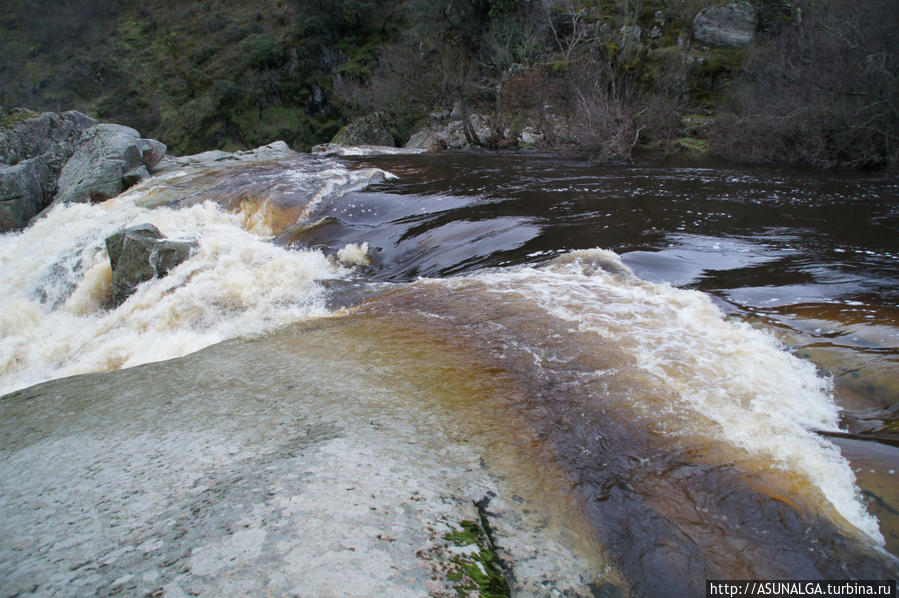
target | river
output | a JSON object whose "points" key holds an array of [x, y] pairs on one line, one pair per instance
{"points": [[687, 371]]}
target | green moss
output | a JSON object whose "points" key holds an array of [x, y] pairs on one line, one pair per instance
{"points": [[469, 534], [693, 145], [479, 570], [16, 115], [360, 60]]}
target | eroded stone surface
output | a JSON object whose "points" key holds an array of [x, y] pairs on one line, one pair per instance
{"points": [[251, 468]]}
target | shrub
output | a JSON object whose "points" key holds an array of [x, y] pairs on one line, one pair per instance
{"points": [[822, 92]]}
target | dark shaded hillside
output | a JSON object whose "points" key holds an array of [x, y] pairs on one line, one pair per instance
{"points": [[603, 77]]}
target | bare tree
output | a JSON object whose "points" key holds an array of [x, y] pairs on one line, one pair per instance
{"points": [[568, 23], [823, 92]]}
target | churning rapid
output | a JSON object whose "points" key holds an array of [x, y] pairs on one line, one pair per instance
{"points": [[691, 442], [57, 277]]}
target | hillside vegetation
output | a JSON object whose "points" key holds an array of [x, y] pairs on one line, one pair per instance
{"points": [[817, 85]]}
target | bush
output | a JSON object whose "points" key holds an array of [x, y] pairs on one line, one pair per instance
{"points": [[261, 51], [822, 92]]}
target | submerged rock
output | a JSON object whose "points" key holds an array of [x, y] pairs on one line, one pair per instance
{"points": [[108, 159], [139, 254], [33, 150], [731, 25]]}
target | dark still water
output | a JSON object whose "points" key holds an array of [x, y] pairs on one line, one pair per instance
{"points": [[644, 377]]}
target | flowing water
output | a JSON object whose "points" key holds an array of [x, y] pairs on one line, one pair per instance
{"points": [[701, 362]]}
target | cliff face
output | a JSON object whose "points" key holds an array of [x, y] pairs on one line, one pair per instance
{"points": [[601, 77]]}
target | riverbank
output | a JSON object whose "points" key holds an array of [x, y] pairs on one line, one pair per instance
{"points": [[603, 78]]}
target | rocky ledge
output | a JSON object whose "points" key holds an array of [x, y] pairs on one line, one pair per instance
{"points": [[47, 158], [257, 468]]}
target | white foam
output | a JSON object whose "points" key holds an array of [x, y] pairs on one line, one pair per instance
{"points": [[55, 278], [333, 149], [340, 181], [705, 368], [354, 254]]}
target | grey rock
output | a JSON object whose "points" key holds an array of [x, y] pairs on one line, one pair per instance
{"points": [[23, 189], [139, 254], [530, 136], [458, 110], [371, 129], [33, 151], [136, 176], [732, 25], [275, 151], [96, 170], [450, 135], [423, 139], [44, 133], [152, 151], [630, 40]]}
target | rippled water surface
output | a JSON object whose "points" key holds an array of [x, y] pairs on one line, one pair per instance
{"points": [[810, 257]]}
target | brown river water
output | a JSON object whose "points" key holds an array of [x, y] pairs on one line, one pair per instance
{"points": [[700, 361]]}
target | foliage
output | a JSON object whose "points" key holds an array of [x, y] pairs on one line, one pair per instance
{"points": [[818, 87], [260, 51]]}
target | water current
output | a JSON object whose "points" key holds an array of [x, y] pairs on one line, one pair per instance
{"points": [[702, 359]]}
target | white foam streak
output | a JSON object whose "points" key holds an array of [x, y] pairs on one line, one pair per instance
{"points": [[340, 181], [702, 368]]}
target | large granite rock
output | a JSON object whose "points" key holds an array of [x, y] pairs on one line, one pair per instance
{"points": [[732, 25], [33, 150], [108, 159], [41, 134], [371, 129], [139, 254], [24, 189]]}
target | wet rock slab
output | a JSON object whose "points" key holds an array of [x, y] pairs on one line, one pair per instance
{"points": [[252, 468]]}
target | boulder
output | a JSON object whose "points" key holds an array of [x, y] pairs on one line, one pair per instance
{"points": [[371, 129], [96, 171], [24, 189], [732, 25], [273, 152], [152, 152], [425, 139], [39, 134], [530, 136], [450, 135], [33, 150], [139, 254]]}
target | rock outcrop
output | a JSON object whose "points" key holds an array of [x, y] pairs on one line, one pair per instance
{"points": [[50, 157], [731, 26], [139, 254], [274, 151], [33, 152], [107, 160], [371, 129], [449, 134]]}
